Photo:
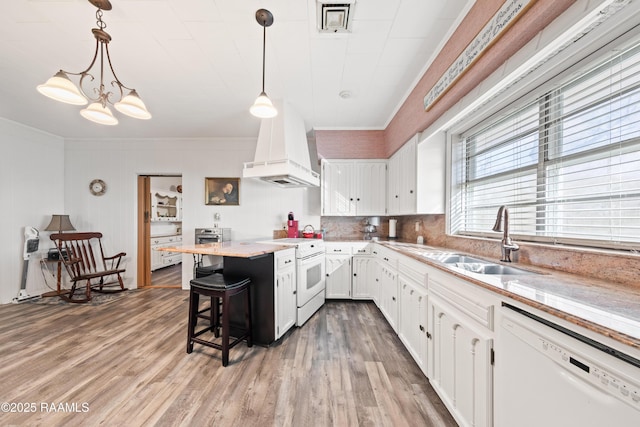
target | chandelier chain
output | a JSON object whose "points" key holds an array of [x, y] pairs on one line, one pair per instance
{"points": [[100, 23]]}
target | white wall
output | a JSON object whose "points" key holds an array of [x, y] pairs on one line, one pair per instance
{"points": [[263, 207], [31, 190]]}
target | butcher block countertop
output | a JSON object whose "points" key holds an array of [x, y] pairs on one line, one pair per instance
{"points": [[231, 249]]}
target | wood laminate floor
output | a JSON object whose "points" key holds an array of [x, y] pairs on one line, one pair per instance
{"points": [[167, 276], [124, 364]]}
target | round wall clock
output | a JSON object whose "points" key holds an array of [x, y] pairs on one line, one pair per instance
{"points": [[97, 187]]}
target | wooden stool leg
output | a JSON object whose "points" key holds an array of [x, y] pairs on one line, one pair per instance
{"points": [[194, 300], [225, 329], [247, 314], [215, 316]]}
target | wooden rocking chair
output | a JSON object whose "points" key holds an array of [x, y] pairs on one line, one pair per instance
{"points": [[77, 254]]}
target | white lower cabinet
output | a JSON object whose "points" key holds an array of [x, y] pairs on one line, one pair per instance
{"points": [[386, 284], [389, 295], [285, 271], [413, 317], [338, 271], [161, 259], [460, 366], [363, 279]]}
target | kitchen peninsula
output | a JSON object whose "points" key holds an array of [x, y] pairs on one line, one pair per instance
{"points": [[258, 262]]}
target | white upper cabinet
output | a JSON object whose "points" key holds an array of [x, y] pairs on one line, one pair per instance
{"points": [[417, 177], [336, 188], [402, 180], [430, 175], [354, 187]]}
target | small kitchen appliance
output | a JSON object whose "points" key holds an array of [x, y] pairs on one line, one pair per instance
{"points": [[370, 227], [31, 243], [212, 235], [214, 263], [309, 232], [292, 227]]}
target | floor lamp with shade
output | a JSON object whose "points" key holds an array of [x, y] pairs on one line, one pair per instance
{"points": [[58, 223]]}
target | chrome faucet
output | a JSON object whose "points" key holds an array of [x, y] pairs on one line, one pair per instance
{"points": [[507, 244]]}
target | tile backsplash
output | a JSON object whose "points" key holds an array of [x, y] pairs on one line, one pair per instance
{"points": [[615, 266]]}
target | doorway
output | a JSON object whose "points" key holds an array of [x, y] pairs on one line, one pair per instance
{"points": [[159, 224]]}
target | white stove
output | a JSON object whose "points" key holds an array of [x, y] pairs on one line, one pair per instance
{"points": [[310, 275], [304, 247]]}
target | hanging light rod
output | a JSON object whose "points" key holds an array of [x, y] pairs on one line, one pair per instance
{"points": [[61, 88], [263, 107]]}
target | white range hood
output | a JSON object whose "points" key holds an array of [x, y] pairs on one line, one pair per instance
{"points": [[282, 152]]}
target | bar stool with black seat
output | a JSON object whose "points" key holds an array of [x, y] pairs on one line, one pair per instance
{"points": [[222, 287]]}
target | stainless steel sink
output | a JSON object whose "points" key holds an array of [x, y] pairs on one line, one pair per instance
{"points": [[488, 268], [454, 259], [475, 265]]}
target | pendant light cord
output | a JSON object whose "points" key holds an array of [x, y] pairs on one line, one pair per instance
{"points": [[264, 48]]}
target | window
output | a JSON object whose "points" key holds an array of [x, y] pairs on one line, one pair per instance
{"points": [[567, 164]]}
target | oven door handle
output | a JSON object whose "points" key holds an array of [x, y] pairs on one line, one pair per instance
{"points": [[311, 257]]}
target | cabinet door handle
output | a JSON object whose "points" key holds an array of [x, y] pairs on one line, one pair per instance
{"points": [[410, 293], [354, 274], [393, 298], [428, 335], [422, 328]]}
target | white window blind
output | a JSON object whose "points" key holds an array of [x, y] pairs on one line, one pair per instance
{"points": [[567, 164]]}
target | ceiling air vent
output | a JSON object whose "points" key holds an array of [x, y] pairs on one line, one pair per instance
{"points": [[335, 17]]}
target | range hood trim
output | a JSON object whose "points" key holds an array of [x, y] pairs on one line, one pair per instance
{"points": [[284, 172]]}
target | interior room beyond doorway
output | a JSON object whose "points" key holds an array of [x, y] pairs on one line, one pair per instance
{"points": [[165, 230]]}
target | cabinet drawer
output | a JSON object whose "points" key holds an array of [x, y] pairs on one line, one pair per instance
{"points": [[342, 248], [171, 259], [387, 256], [286, 261], [480, 311], [414, 270], [361, 249], [166, 240]]}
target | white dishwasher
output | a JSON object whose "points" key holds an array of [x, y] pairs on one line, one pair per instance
{"points": [[548, 375]]}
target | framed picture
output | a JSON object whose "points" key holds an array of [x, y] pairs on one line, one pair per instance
{"points": [[222, 191]]}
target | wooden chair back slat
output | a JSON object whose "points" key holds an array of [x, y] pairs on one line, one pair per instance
{"points": [[80, 260]]}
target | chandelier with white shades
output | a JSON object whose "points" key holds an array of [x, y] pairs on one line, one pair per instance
{"points": [[61, 88]]}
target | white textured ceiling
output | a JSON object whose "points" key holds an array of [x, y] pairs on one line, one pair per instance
{"points": [[197, 64]]}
